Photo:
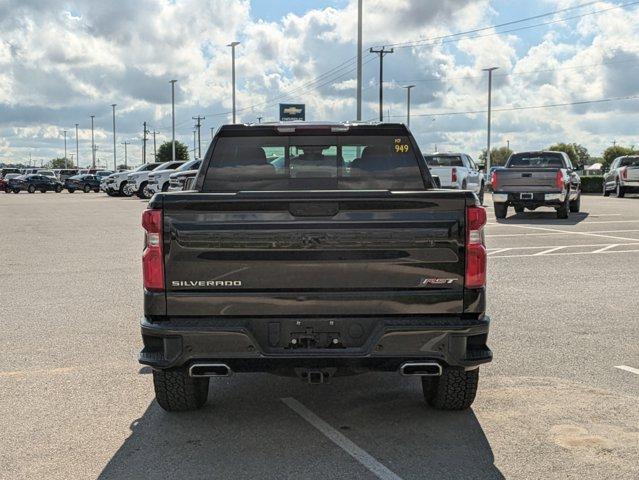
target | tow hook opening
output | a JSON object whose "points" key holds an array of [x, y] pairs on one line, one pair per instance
{"points": [[422, 369]]}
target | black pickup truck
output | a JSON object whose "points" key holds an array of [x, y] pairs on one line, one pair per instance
{"points": [[314, 250]]}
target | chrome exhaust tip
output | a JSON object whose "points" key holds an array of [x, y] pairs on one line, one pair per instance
{"points": [[209, 370], [421, 369]]}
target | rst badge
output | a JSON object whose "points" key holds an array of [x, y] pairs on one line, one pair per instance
{"points": [[427, 282]]}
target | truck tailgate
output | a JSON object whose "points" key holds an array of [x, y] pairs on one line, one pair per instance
{"points": [[444, 174], [358, 253], [527, 179]]}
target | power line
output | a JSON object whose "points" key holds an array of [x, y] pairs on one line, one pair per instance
{"points": [[448, 39], [526, 107]]}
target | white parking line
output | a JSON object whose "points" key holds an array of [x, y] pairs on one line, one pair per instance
{"points": [[603, 249], [564, 253], [502, 224], [341, 441], [538, 247], [549, 250], [573, 232], [497, 250], [628, 369], [490, 235]]}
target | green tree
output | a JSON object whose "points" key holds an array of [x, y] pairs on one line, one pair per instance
{"points": [[616, 151], [582, 153], [498, 156], [122, 166], [165, 152], [60, 163], [568, 148]]}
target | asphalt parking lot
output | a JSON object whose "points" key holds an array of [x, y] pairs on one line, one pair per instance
{"points": [[553, 404]]}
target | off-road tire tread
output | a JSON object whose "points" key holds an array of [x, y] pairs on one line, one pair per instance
{"points": [[455, 389], [176, 391]]}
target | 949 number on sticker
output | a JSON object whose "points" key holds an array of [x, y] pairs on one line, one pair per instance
{"points": [[401, 147]]}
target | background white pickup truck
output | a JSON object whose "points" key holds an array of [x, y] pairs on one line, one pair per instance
{"points": [[458, 171]]}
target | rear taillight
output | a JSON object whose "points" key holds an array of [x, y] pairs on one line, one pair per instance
{"points": [[152, 258], [559, 180], [453, 175], [624, 173], [475, 247], [493, 181]]}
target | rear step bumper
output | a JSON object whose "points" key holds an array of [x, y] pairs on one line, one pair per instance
{"points": [[278, 344]]}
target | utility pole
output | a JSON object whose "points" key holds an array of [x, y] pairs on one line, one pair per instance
{"points": [[92, 144], [359, 60], [233, 45], [125, 143], [66, 163], [408, 88], [212, 132], [198, 125], [259, 119], [144, 139], [77, 147], [490, 97], [115, 162], [172, 82], [381, 54], [508, 144]]}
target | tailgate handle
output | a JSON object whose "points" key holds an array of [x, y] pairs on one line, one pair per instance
{"points": [[314, 209], [525, 175]]}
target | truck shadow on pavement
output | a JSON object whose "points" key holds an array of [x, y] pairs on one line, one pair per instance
{"points": [[246, 431], [543, 218]]}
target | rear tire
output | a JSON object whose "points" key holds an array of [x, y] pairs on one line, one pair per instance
{"points": [[58, 189], [43, 190], [501, 210], [165, 187], [481, 194], [454, 389], [31, 189], [16, 190], [176, 391], [575, 205], [620, 191], [86, 189], [564, 210], [70, 190]]}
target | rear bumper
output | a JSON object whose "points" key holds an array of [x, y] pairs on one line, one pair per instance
{"points": [[630, 185], [535, 198], [263, 345]]}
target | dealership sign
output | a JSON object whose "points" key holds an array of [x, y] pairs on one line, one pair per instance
{"points": [[292, 111]]}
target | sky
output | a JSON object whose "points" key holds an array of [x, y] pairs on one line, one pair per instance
{"points": [[62, 61]]}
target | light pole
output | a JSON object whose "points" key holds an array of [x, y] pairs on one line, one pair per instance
{"points": [[115, 162], [77, 148], [490, 93], [359, 60], [66, 164], [212, 132], [233, 45], [508, 144], [172, 82], [155, 150], [408, 88], [92, 144], [125, 143]]}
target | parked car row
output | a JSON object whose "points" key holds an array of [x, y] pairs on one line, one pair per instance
{"points": [[150, 178]]}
